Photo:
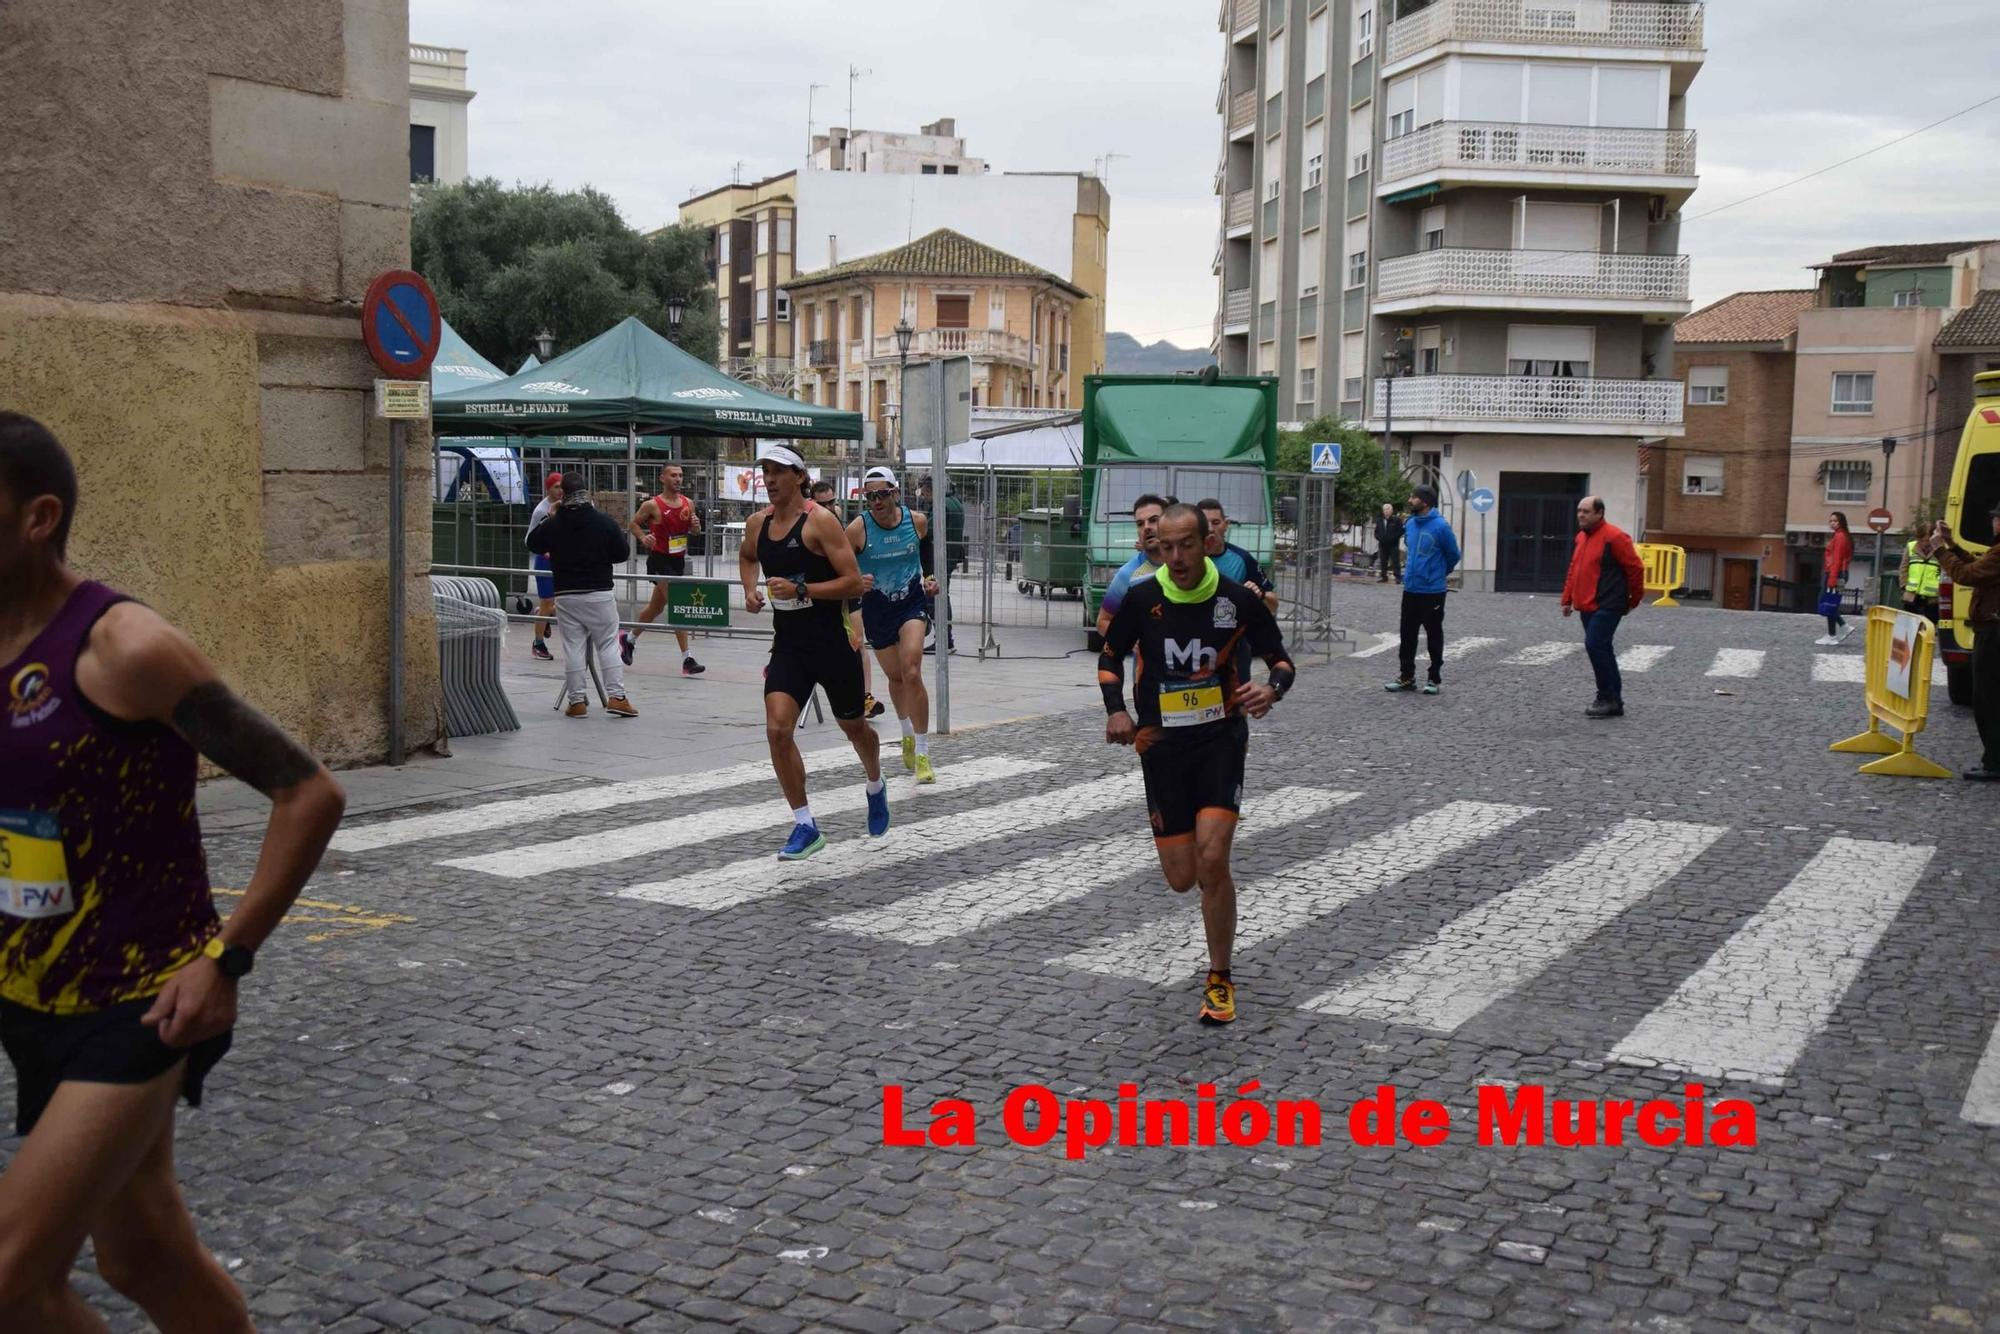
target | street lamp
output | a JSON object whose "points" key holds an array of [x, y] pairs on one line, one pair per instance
{"points": [[905, 332], [545, 344], [676, 311]]}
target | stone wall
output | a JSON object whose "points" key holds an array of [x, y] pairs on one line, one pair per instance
{"points": [[197, 197]]}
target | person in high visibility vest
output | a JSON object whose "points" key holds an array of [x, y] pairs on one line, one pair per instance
{"points": [[1920, 582]]}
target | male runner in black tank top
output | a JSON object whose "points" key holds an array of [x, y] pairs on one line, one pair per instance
{"points": [[809, 570]]}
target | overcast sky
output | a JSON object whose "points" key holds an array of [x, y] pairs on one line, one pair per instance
{"points": [[653, 101]]}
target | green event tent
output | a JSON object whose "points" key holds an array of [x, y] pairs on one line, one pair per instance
{"points": [[630, 379]]}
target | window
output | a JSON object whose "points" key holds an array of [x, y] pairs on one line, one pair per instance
{"points": [[1364, 34], [722, 245], [930, 169], [1431, 227], [763, 236], [784, 306], [763, 303], [1913, 297], [1549, 350], [1854, 394], [1708, 386], [1846, 482], [1701, 477], [1402, 108], [423, 153], [1360, 163], [954, 312], [1350, 388], [1308, 377], [951, 171], [784, 236], [1430, 348], [1267, 270], [1273, 187], [1316, 46], [1274, 65], [1309, 248], [1357, 268], [1315, 152]]}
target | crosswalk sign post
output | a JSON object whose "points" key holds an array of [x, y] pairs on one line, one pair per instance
{"points": [[1326, 456]]}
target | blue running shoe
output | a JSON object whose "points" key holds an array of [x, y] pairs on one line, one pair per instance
{"points": [[803, 843], [878, 812]]}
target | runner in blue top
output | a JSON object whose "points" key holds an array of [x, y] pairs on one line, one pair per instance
{"points": [[895, 560], [1145, 563]]}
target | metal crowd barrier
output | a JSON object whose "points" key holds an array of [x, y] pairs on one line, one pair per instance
{"points": [[471, 632]]}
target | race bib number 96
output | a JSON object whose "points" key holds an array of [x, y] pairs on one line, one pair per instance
{"points": [[34, 878], [1190, 705]]}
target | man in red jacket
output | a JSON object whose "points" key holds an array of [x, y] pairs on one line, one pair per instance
{"points": [[1606, 580]]}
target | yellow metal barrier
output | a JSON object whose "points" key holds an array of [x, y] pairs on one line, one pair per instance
{"points": [[1666, 570], [1899, 639]]}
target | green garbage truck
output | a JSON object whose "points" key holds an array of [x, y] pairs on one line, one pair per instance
{"points": [[1187, 436]]}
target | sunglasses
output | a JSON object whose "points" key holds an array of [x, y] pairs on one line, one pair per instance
{"points": [[877, 497]]}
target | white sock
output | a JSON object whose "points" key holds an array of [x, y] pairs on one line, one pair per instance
{"points": [[875, 785], [923, 743], [909, 728], [802, 814]]}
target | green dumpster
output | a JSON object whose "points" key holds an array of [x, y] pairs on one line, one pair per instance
{"points": [[1053, 554]]}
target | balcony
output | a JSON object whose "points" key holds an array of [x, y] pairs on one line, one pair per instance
{"points": [[1532, 404], [1239, 17], [1462, 279], [1241, 210], [1242, 113], [990, 344], [1236, 310], [823, 352], [1617, 25], [1475, 152]]}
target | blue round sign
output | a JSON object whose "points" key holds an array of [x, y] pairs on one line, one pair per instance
{"points": [[1482, 500], [400, 325]]}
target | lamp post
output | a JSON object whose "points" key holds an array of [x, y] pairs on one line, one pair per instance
{"points": [[1888, 452], [545, 344], [905, 332], [676, 312]]}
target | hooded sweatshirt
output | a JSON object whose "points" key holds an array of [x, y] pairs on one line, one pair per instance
{"points": [[1433, 552]]}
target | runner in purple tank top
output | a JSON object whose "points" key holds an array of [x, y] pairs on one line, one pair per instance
{"points": [[117, 978]]}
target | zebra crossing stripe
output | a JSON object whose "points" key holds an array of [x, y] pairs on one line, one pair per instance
{"points": [[1542, 655], [1507, 942], [521, 810], [762, 876], [1982, 1099], [1840, 668], [1171, 949], [1458, 648], [1386, 642], [767, 814], [965, 907], [1737, 662], [1642, 657], [1750, 1010]]}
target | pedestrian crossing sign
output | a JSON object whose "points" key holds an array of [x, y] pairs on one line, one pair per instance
{"points": [[1326, 456]]}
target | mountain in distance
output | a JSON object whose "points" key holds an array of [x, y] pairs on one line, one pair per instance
{"points": [[1124, 355]]}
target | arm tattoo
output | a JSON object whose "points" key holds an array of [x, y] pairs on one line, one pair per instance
{"points": [[241, 740]]}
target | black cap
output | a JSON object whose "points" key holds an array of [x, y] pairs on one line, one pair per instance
{"points": [[1427, 494]]}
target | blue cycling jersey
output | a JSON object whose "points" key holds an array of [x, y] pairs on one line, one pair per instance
{"points": [[892, 555]]}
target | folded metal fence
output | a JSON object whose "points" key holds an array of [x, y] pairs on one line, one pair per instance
{"points": [[472, 631]]}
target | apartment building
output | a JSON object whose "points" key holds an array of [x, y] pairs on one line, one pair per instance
{"points": [[935, 150], [750, 259], [1720, 491], [1506, 246], [961, 298], [438, 100]]}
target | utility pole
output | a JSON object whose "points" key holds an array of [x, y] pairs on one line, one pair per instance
{"points": [[852, 74], [1888, 452]]}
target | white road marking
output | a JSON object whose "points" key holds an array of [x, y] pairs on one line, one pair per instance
{"points": [[968, 906], [764, 876], [1171, 949], [521, 810], [1386, 642], [1507, 942], [1541, 655], [1982, 1098], [1752, 1008], [767, 813], [1737, 662], [1642, 657], [1454, 649], [1840, 668]]}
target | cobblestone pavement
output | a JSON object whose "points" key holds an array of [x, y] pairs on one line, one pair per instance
{"points": [[501, 1080]]}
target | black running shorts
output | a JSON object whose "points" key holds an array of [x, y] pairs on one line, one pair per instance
{"points": [[108, 1046], [833, 666], [660, 565], [1189, 779]]}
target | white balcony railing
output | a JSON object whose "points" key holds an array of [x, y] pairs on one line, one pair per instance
{"points": [[991, 343], [1455, 272], [1533, 398], [1236, 307], [1510, 148], [1241, 206], [1621, 23], [1242, 111]]}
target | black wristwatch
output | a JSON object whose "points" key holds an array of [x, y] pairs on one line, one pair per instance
{"points": [[232, 961]]}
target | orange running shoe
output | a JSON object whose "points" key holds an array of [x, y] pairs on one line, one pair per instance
{"points": [[1218, 1000]]}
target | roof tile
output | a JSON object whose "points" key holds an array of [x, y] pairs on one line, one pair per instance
{"points": [[1978, 325], [943, 253], [1747, 317], [1927, 252]]}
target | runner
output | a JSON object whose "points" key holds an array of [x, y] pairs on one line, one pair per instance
{"points": [[1190, 734], [118, 983], [808, 568], [662, 526], [545, 584], [850, 608], [888, 539], [1233, 561], [1146, 511]]}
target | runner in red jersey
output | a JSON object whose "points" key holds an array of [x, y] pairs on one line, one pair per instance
{"points": [[663, 526], [118, 980]]}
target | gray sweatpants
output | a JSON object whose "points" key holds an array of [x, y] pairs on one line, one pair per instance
{"points": [[591, 617]]}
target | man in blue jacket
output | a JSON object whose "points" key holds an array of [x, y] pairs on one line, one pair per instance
{"points": [[1433, 554]]}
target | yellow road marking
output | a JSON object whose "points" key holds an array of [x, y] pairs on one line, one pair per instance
{"points": [[344, 919]]}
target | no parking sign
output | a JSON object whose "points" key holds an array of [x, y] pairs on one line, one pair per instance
{"points": [[400, 324]]}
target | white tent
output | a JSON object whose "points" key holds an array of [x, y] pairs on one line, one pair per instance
{"points": [[1045, 440]]}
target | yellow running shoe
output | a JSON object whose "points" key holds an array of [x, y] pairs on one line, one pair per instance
{"points": [[925, 774], [1218, 1001], [909, 753]]}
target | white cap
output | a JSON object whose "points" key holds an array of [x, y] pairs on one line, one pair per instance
{"points": [[878, 473], [775, 452]]}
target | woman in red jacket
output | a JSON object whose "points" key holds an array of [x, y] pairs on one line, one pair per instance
{"points": [[1839, 555]]}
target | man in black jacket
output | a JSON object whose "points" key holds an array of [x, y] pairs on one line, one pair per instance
{"points": [[1389, 544], [582, 544]]}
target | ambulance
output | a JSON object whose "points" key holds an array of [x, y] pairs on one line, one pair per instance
{"points": [[1975, 489]]}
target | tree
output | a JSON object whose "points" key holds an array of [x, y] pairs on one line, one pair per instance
{"points": [[1367, 480], [508, 263]]}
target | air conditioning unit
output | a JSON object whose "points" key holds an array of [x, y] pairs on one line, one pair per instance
{"points": [[1818, 539], [1795, 539]]}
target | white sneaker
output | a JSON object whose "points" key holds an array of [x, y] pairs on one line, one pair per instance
{"points": [[1824, 640], [1845, 631]]}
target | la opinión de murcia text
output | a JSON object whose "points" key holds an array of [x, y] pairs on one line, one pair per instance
{"points": [[1504, 1116]]}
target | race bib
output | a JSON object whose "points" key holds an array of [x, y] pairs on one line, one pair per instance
{"points": [[34, 878], [799, 603], [1191, 704], [677, 544]]}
